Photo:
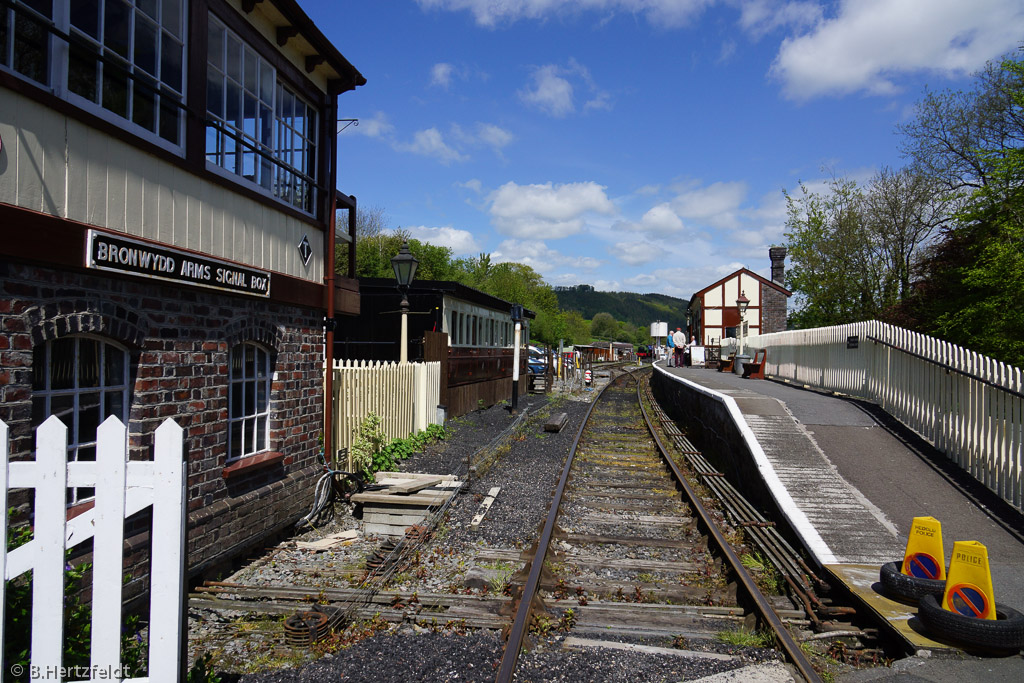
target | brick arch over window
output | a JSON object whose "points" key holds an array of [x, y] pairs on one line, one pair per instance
{"points": [[259, 331], [56, 319]]}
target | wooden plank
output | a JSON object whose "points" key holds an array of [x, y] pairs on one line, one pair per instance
{"points": [[329, 541], [484, 507], [625, 540], [631, 564], [380, 477], [574, 643], [414, 485], [427, 499], [394, 520]]}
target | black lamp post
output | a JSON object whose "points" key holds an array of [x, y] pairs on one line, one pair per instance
{"points": [[404, 265], [741, 303]]}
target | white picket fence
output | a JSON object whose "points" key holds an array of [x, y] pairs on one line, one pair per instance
{"points": [[403, 395], [969, 406], [123, 488]]}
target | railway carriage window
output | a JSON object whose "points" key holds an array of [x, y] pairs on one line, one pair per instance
{"points": [[248, 400], [83, 381], [476, 330]]}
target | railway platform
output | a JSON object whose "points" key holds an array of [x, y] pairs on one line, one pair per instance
{"points": [[851, 479]]}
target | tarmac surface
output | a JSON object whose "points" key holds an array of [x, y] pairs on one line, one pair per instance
{"points": [[857, 478]]}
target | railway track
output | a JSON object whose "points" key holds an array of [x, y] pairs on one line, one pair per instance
{"points": [[627, 551], [624, 553]]}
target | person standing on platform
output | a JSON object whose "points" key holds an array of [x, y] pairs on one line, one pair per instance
{"points": [[679, 342], [671, 351], [689, 350]]}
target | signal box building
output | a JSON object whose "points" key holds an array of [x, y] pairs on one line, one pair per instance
{"points": [[713, 314], [167, 193]]}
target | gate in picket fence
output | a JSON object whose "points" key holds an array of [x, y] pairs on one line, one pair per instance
{"points": [[123, 487]]}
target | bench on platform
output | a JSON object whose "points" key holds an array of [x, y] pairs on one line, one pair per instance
{"points": [[725, 365], [755, 368]]}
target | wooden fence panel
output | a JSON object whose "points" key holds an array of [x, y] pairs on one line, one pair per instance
{"points": [[404, 395]]}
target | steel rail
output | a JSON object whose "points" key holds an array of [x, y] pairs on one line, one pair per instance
{"points": [[764, 609], [522, 619]]}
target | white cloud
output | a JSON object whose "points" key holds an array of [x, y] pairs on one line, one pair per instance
{"points": [[550, 93], [717, 204], [659, 221], [635, 253], [553, 92], [662, 13], [546, 211], [461, 242], [869, 43], [431, 143], [473, 184], [541, 257], [376, 127], [759, 17], [441, 75]]}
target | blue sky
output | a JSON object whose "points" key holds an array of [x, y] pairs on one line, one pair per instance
{"points": [[638, 145]]}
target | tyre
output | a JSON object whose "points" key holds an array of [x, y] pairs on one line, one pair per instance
{"points": [[1004, 633], [909, 588]]}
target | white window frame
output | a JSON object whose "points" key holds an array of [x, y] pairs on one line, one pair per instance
{"points": [[59, 68], [285, 148], [249, 429], [78, 443]]}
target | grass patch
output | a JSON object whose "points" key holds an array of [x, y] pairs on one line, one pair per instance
{"points": [[742, 638]]}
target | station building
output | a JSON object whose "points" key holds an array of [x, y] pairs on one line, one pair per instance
{"points": [[713, 314], [167, 196]]}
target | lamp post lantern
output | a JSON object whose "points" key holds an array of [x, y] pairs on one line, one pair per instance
{"points": [[404, 265], [741, 303]]}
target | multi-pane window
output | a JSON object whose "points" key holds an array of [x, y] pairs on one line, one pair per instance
{"points": [[248, 400], [258, 127], [115, 57], [83, 381], [127, 57], [25, 38]]}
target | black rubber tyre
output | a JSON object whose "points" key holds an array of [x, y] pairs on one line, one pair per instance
{"points": [[909, 588], [1005, 633]]}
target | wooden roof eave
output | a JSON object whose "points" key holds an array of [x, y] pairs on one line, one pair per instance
{"points": [[296, 23]]}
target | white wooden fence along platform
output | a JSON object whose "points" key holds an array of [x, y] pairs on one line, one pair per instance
{"points": [[969, 406], [123, 488]]}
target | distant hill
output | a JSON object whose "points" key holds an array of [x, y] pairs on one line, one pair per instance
{"points": [[638, 309]]}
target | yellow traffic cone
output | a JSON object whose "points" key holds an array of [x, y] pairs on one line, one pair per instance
{"points": [[969, 586], [924, 557]]}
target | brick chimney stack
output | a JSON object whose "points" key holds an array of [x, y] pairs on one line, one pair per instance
{"points": [[778, 258]]}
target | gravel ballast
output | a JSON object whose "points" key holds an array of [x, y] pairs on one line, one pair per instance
{"points": [[528, 464]]}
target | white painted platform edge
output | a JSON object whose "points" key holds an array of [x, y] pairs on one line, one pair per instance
{"points": [[797, 518]]}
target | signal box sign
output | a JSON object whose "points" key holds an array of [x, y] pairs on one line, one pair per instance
{"points": [[142, 259]]}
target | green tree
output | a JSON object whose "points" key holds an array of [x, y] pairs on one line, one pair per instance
{"points": [[604, 327], [835, 264], [969, 285]]}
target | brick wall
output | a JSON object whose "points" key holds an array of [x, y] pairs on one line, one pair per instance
{"points": [[773, 313], [179, 341]]}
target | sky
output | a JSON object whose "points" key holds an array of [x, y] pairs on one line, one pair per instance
{"points": [[635, 145]]}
